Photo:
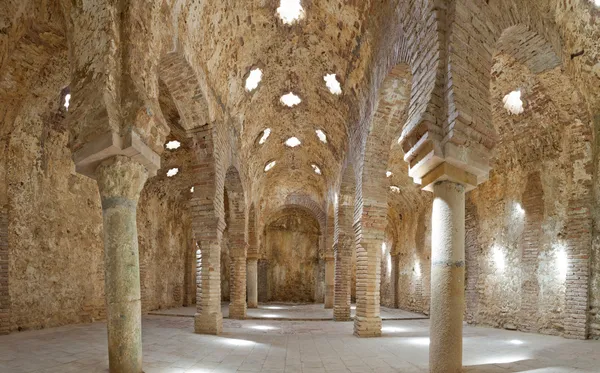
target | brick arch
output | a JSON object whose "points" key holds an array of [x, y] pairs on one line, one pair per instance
{"points": [[503, 27], [183, 85], [372, 196], [284, 210]]}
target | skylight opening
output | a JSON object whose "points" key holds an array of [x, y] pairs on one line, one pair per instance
{"points": [[253, 79], [265, 135], [67, 101], [395, 189], [290, 11], [332, 84], [512, 102], [270, 166], [172, 145], [290, 100], [322, 136], [595, 2], [292, 142], [388, 174], [316, 169], [192, 190], [172, 172]]}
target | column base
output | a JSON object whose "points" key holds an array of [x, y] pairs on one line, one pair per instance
{"points": [[367, 327], [237, 311], [252, 304], [328, 306], [208, 323], [341, 314]]}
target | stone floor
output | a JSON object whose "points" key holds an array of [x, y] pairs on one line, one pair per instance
{"points": [[170, 346], [286, 311]]}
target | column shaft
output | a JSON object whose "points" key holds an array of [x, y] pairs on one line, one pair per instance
{"points": [[252, 282], [120, 181], [329, 281], [447, 277], [237, 306], [343, 268], [209, 318]]}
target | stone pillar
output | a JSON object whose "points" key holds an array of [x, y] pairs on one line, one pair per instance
{"points": [[447, 277], [329, 281], [208, 318], [120, 181], [252, 282], [237, 305], [342, 287]]}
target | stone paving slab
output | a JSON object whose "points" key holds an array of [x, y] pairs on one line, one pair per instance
{"points": [[170, 346]]}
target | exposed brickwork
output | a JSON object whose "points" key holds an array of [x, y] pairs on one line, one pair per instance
{"points": [[345, 245], [578, 229], [236, 218], [208, 223], [473, 282]]}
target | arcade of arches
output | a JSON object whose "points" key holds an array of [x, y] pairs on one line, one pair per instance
{"points": [[421, 172]]}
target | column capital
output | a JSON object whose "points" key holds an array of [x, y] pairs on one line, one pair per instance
{"points": [[448, 172], [88, 157], [120, 177]]}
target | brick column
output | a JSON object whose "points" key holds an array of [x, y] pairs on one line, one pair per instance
{"points": [[120, 181], [237, 306], [208, 318], [367, 322], [447, 277], [329, 281], [252, 282], [343, 266]]}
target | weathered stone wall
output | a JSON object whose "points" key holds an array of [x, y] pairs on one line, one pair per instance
{"points": [[56, 262], [413, 250], [52, 244], [292, 243], [164, 232]]}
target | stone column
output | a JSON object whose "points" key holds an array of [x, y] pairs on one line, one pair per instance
{"points": [[209, 318], [447, 277], [237, 305], [252, 282], [120, 181], [329, 281]]}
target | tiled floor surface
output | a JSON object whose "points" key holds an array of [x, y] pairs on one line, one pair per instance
{"points": [[285, 311], [170, 346]]}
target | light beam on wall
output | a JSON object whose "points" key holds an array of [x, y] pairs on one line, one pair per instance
{"points": [[562, 261], [499, 258]]}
